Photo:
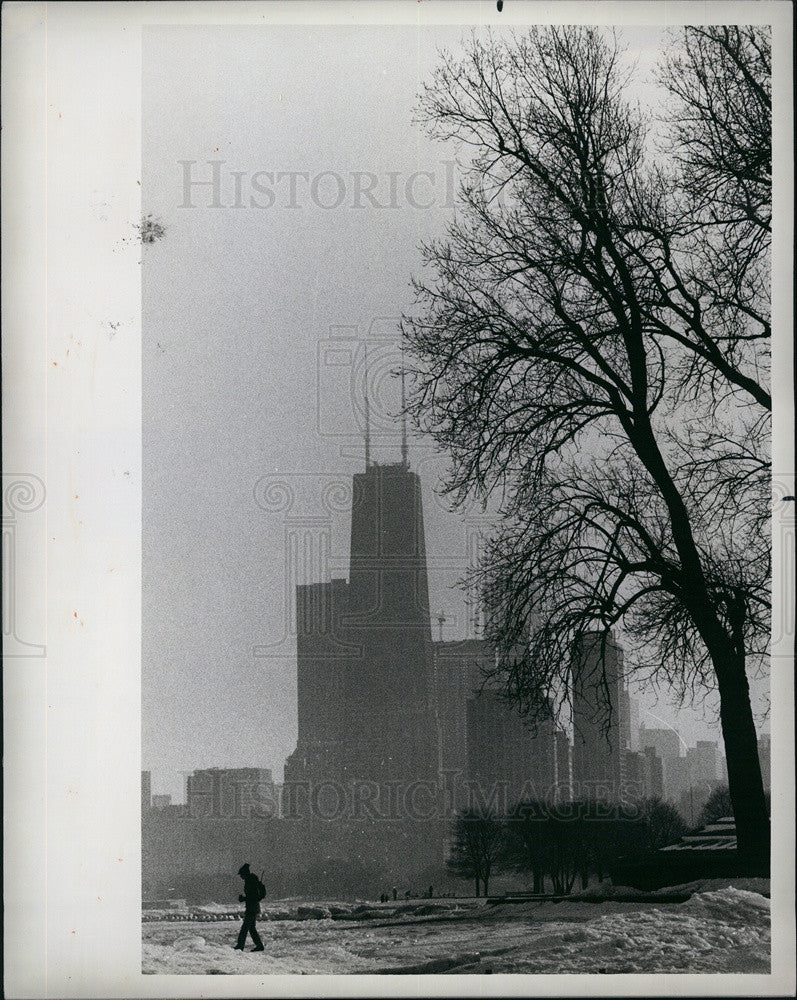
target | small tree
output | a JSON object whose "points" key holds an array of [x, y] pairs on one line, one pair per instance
{"points": [[610, 837], [567, 847], [663, 823], [718, 805], [477, 845], [528, 846]]}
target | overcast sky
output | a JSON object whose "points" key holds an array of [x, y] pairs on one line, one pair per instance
{"points": [[257, 302]]}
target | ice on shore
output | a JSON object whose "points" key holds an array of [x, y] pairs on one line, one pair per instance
{"points": [[717, 930]]}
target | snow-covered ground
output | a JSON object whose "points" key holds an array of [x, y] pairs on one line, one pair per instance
{"points": [[718, 929]]}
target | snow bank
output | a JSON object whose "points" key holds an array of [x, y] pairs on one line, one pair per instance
{"points": [[720, 930]]}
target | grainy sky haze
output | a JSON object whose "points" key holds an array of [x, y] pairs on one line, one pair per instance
{"points": [[256, 304]]}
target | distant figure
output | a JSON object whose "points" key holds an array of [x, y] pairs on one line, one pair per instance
{"points": [[431, 891], [254, 892], [407, 894], [395, 893]]}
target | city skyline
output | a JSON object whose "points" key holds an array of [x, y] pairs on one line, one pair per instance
{"points": [[366, 642], [240, 369]]}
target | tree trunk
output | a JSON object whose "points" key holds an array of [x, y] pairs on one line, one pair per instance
{"points": [[538, 884], [484, 882], [744, 769], [726, 650], [477, 885]]}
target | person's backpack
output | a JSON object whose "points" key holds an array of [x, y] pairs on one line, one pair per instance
{"points": [[261, 890]]}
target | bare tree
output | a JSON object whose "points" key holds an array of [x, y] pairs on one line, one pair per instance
{"points": [[528, 847], [477, 845], [584, 346], [721, 78]]}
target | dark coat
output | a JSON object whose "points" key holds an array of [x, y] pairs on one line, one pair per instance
{"points": [[251, 893]]}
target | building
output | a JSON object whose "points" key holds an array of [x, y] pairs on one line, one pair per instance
{"points": [[364, 648], [458, 674], [702, 762], [229, 793], [765, 760], [654, 774], [161, 802], [666, 742], [364, 777], [146, 792], [643, 776], [633, 719], [633, 777], [676, 777], [509, 760], [601, 717], [364, 774], [483, 738], [563, 766]]}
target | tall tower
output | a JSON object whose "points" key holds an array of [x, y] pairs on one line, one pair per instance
{"points": [[389, 695], [364, 647]]}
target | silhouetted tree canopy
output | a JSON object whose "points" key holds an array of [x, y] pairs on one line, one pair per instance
{"points": [[719, 805], [591, 342], [477, 845]]}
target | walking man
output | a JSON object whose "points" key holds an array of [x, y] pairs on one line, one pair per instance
{"points": [[254, 891]]}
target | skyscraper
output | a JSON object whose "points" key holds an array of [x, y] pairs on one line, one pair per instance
{"points": [[765, 759], [666, 742], [231, 792], [563, 766], [146, 792], [458, 672], [601, 717], [702, 761], [633, 720], [364, 647], [507, 758]]}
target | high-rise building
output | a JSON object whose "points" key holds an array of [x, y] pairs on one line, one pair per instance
{"points": [[666, 742], [563, 766], [364, 647], [633, 719], [676, 777], [601, 717], [702, 762], [484, 740], [633, 789], [654, 774], [765, 760], [643, 776], [225, 793], [509, 760], [146, 792], [458, 674]]}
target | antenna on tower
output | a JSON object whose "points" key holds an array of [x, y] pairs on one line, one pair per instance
{"points": [[404, 459], [367, 417]]}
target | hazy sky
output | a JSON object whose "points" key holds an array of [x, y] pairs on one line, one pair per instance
{"points": [[257, 302]]}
